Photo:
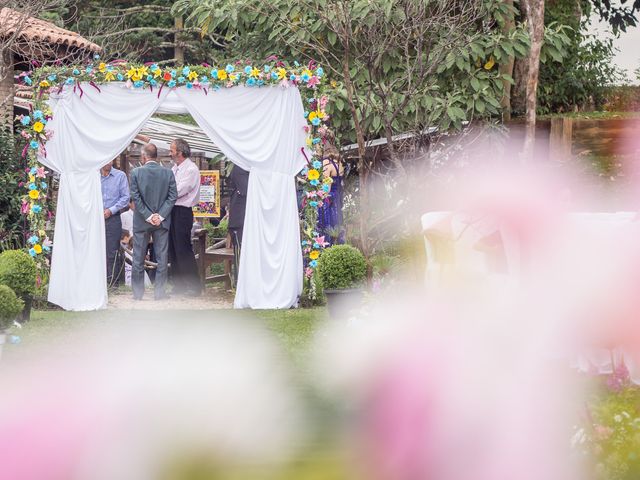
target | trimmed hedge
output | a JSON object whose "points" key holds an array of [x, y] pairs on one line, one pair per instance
{"points": [[18, 271], [342, 266], [10, 307]]}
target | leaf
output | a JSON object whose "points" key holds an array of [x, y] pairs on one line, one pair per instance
{"points": [[332, 37], [475, 84]]}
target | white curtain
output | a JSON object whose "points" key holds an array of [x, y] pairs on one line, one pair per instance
{"points": [[88, 132], [261, 130]]}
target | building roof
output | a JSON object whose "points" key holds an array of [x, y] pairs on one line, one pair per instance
{"points": [[33, 29], [162, 132]]}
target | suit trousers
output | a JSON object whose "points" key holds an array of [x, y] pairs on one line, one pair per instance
{"points": [[236, 241], [184, 269], [161, 246], [113, 234]]}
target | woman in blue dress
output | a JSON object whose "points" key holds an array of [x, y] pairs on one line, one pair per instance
{"points": [[330, 213]]}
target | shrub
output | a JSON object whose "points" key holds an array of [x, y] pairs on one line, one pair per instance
{"points": [[18, 271], [342, 266], [10, 307]]}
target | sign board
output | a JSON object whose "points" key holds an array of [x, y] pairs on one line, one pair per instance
{"points": [[209, 205]]}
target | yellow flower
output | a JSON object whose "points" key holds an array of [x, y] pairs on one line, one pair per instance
{"points": [[313, 115], [38, 126], [192, 75], [309, 142], [281, 73], [102, 67], [320, 114], [233, 77], [34, 194], [136, 76], [157, 72], [255, 72], [312, 175], [308, 72], [32, 178], [131, 72], [333, 84], [38, 248], [109, 76], [222, 74], [313, 255], [44, 84], [143, 71], [489, 65]]}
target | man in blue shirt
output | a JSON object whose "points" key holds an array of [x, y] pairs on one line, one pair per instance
{"points": [[115, 196]]}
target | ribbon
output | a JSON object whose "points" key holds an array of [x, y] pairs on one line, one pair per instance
{"points": [[161, 87], [93, 84], [24, 151], [81, 91]]}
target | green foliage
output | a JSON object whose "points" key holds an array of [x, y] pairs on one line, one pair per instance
{"points": [[10, 307], [583, 67], [18, 271], [342, 266], [10, 176]]}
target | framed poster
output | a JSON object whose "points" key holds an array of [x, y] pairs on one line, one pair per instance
{"points": [[209, 205]]}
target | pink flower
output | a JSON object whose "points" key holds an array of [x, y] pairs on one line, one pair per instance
{"points": [[324, 100], [313, 81], [24, 209], [41, 172], [308, 272]]}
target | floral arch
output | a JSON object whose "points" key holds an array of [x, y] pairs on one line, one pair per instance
{"points": [[35, 128]]}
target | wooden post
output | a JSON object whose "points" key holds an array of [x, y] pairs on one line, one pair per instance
{"points": [[560, 138]]}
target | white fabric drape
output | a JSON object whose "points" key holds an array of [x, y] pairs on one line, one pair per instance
{"points": [[261, 130], [88, 132]]}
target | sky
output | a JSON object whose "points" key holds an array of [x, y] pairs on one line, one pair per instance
{"points": [[628, 44]]}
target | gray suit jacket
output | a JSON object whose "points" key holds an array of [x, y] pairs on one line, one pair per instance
{"points": [[153, 189]]}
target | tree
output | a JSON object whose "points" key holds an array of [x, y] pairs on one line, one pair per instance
{"points": [[620, 16], [534, 14], [398, 66]]}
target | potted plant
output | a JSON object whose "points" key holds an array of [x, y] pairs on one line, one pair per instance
{"points": [[342, 270], [18, 271], [10, 308]]}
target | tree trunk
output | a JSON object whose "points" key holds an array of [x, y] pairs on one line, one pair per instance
{"points": [[6, 90], [179, 48], [534, 12], [506, 68]]}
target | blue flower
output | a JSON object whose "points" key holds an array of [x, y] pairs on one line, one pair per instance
{"points": [[36, 209], [26, 120], [88, 69], [317, 164], [38, 114], [247, 70], [314, 182], [189, 85], [296, 63], [28, 81], [292, 77], [70, 81], [315, 141], [43, 185], [171, 84], [326, 187], [76, 71], [319, 72], [33, 171], [313, 203], [313, 263], [204, 80], [33, 144], [305, 77], [315, 121], [230, 68], [306, 114], [138, 84], [46, 248], [267, 69], [96, 57], [32, 252], [149, 78], [316, 245], [120, 77], [52, 77], [274, 75], [304, 242], [251, 82], [260, 83], [33, 239], [304, 171], [186, 71], [32, 186], [154, 67], [173, 73], [214, 73], [181, 79], [153, 82]]}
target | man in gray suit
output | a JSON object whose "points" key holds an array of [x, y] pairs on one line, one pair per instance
{"points": [[154, 192]]}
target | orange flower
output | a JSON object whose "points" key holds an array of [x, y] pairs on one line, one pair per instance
{"points": [[167, 76]]}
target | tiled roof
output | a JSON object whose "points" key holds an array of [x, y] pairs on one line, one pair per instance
{"points": [[34, 29]]}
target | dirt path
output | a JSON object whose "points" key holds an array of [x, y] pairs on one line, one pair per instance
{"points": [[213, 298]]}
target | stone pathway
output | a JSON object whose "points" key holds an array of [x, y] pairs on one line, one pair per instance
{"points": [[215, 297]]}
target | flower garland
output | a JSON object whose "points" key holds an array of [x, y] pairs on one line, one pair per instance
{"points": [[307, 78]]}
